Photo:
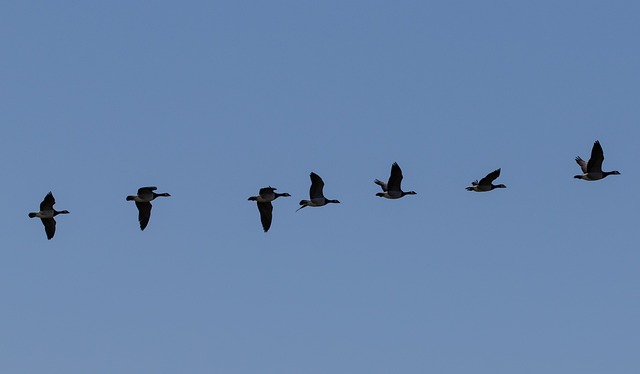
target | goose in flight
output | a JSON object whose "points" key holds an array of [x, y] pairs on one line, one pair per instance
{"points": [[391, 189], [485, 183], [143, 202], [264, 198], [315, 193], [592, 170], [46, 214]]}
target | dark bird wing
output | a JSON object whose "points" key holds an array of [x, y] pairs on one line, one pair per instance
{"points": [[266, 190], [49, 226], [266, 210], [317, 185], [381, 184], [582, 163], [490, 177], [144, 213], [597, 156], [395, 179], [142, 190], [47, 203]]}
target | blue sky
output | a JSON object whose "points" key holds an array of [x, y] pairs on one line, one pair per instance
{"points": [[210, 101]]}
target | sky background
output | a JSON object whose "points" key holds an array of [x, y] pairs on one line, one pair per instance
{"points": [[211, 101]]}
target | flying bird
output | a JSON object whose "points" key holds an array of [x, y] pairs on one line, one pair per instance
{"points": [[391, 189], [264, 198], [485, 183], [46, 214], [143, 202], [315, 193], [592, 170]]}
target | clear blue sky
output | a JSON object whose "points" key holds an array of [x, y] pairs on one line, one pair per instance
{"points": [[210, 101]]}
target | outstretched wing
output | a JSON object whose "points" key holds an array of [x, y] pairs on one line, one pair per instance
{"points": [[597, 156], [47, 203], [395, 179], [490, 177], [144, 213], [582, 163], [381, 184], [49, 226], [315, 191], [266, 210]]}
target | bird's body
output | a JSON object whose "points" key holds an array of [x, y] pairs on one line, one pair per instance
{"points": [[46, 214], [316, 196], [592, 170], [143, 203], [485, 184], [392, 189], [264, 199]]}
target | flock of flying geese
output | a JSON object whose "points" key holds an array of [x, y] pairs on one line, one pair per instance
{"points": [[591, 171]]}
